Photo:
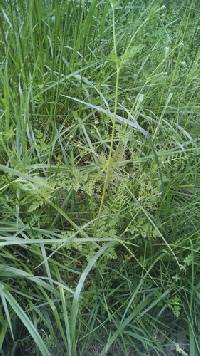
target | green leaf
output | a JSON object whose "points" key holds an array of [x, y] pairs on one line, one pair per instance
{"points": [[130, 53], [25, 320]]}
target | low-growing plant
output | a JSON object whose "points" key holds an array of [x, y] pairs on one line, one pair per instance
{"points": [[99, 177]]}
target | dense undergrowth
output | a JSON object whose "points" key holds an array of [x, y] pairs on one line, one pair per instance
{"points": [[99, 177]]}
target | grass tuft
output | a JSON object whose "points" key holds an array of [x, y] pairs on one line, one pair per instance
{"points": [[99, 177]]}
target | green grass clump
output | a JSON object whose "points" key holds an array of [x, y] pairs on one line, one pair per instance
{"points": [[99, 177]]}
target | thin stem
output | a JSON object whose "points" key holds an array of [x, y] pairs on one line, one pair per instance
{"points": [[109, 160]]}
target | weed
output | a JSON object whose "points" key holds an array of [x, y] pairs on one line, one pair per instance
{"points": [[99, 177]]}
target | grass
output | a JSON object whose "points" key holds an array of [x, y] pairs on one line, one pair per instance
{"points": [[99, 177]]}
